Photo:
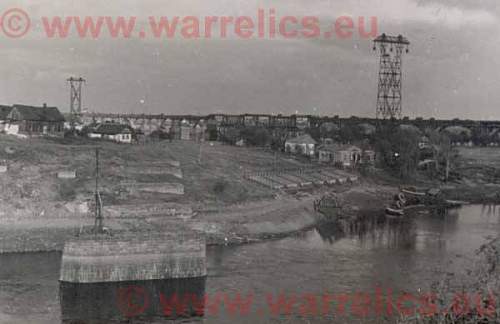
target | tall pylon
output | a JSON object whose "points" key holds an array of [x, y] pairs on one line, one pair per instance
{"points": [[75, 98], [389, 98]]}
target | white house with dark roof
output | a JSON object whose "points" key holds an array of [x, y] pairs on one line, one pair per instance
{"points": [[120, 133], [303, 144], [345, 155]]}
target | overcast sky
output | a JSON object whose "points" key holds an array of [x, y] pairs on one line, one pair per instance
{"points": [[452, 69]]}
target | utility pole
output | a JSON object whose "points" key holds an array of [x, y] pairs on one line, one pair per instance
{"points": [[200, 153], [276, 165], [98, 226]]}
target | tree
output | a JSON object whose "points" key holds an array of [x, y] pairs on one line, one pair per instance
{"points": [[257, 136], [329, 130], [314, 132], [278, 139], [398, 150], [231, 136], [212, 132], [350, 133], [444, 154]]}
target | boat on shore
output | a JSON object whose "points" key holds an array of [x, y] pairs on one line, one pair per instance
{"points": [[394, 212], [431, 198], [455, 203], [413, 193]]}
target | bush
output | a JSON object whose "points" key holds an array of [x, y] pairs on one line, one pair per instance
{"points": [[256, 136], [219, 187]]}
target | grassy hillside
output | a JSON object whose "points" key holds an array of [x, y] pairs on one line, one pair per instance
{"points": [[30, 186]]}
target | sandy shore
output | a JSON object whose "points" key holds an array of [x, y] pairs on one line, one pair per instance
{"points": [[243, 223]]}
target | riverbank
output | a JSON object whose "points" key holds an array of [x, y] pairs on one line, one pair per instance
{"points": [[40, 211], [285, 215]]}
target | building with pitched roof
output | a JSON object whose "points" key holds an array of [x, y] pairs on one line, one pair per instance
{"points": [[120, 133], [345, 155], [25, 121], [303, 144], [4, 112]]}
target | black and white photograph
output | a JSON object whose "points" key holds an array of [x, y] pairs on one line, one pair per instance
{"points": [[271, 161]]}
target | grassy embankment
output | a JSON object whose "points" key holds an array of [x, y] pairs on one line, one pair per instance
{"points": [[219, 200], [479, 169], [37, 206]]}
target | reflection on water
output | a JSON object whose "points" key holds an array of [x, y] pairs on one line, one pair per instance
{"points": [[146, 301], [391, 232], [401, 254]]}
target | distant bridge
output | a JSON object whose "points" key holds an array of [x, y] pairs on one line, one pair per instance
{"points": [[151, 122]]}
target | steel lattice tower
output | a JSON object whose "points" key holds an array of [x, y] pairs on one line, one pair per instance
{"points": [[389, 96], [75, 97]]}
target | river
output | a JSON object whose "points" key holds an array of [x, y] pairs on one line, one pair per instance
{"points": [[400, 255]]}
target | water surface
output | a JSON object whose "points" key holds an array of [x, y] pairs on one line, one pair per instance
{"points": [[401, 255]]}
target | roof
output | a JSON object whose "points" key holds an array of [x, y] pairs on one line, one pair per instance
{"points": [[302, 139], [21, 112], [391, 39], [4, 111], [112, 129], [339, 147]]}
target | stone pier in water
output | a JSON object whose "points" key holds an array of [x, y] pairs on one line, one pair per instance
{"points": [[133, 276]]}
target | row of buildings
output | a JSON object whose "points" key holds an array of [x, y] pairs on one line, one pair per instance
{"points": [[33, 121], [124, 133], [342, 155], [26, 121]]}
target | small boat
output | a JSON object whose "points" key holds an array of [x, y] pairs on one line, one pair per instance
{"points": [[413, 193], [455, 203], [394, 212]]}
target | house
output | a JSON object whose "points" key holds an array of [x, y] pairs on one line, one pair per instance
{"points": [[185, 130], [4, 112], [342, 155], [192, 131], [120, 133], [199, 131], [368, 157], [24, 121], [304, 145]]}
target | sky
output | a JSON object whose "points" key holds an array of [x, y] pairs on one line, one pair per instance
{"points": [[451, 71]]}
